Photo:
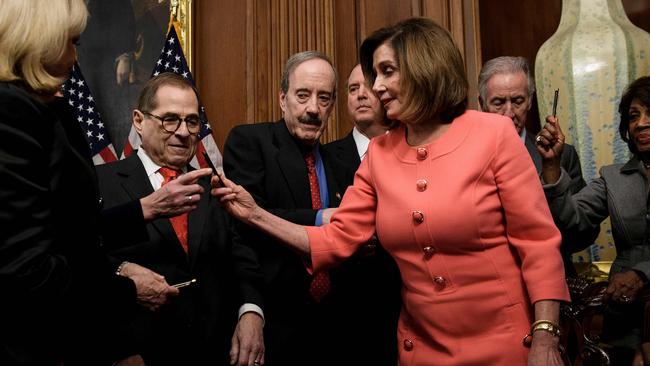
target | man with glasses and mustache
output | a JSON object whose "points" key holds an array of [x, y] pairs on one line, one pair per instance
{"points": [[288, 172], [193, 250]]}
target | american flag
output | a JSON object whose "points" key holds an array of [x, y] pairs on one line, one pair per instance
{"points": [[81, 101], [172, 59]]}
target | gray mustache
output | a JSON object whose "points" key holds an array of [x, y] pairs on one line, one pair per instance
{"points": [[313, 120]]}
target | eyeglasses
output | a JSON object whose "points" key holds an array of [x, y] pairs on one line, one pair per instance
{"points": [[172, 122]]}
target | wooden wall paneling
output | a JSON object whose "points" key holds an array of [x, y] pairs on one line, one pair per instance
{"points": [[456, 24], [382, 13], [281, 26], [220, 77], [347, 39], [328, 40], [473, 61], [251, 49], [437, 10], [361, 20]]}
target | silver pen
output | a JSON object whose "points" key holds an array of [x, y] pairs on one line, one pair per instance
{"points": [[184, 284]]}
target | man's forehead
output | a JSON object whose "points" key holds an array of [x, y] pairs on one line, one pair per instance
{"points": [[172, 93], [511, 79], [507, 83], [312, 70], [356, 74]]}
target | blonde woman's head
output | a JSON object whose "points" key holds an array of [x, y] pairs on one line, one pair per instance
{"points": [[37, 41]]}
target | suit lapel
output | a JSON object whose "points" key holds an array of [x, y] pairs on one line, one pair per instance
{"points": [[292, 165], [348, 151], [135, 182]]}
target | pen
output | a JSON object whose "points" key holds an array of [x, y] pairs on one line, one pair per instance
{"points": [[214, 169], [184, 284], [209, 162]]}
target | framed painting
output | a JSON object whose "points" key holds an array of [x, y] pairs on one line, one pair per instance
{"points": [[118, 51], [184, 11]]}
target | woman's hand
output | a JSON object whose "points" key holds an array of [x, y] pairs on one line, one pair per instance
{"points": [[550, 140], [544, 350], [241, 205], [550, 143], [624, 286], [233, 198]]}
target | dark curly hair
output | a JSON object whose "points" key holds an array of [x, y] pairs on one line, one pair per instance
{"points": [[640, 90]]}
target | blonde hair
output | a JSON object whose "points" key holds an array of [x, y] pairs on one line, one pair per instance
{"points": [[34, 35]]}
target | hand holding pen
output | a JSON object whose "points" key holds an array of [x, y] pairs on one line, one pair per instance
{"points": [[543, 139], [550, 144], [215, 172]]}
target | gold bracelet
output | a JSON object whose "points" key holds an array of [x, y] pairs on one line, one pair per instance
{"points": [[546, 325]]}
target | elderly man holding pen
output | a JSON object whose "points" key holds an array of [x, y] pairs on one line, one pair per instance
{"points": [[192, 250]]}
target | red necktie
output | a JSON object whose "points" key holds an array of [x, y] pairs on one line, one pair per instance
{"points": [[179, 223], [320, 283]]}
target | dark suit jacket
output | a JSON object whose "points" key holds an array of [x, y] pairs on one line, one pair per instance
{"points": [[571, 163], [58, 288], [196, 327], [346, 151], [268, 162], [372, 288]]}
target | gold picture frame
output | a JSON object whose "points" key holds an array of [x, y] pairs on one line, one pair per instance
{"points": [[183, 10]]}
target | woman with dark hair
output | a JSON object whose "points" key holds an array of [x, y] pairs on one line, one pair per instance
{"points": [[621, 192], [454, 198]]}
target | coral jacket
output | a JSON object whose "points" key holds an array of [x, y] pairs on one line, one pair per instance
{"points": [[467, 222]]}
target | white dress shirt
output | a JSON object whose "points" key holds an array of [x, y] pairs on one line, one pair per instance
{"points": [[361, 141]]}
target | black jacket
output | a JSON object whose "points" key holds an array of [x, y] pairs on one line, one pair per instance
{"points": [[59, 290]]}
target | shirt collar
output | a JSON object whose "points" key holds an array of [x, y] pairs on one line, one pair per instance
{"points": [[361, 141], [150, 167]]}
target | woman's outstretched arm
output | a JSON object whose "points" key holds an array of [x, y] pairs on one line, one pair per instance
{"points": [[241, 205]]}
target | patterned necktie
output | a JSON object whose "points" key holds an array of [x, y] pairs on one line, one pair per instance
{"points": [[320, 283], [179, 223]]}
